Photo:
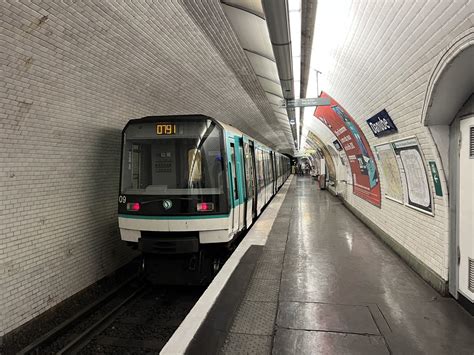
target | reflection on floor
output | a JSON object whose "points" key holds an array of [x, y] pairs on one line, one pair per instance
{"points": [[324, 283]]}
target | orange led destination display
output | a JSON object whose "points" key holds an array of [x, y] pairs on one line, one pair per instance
{"points": [[165, 129]]}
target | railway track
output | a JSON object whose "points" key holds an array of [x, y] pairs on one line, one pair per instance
{"points": [[146, 324], [133, 318]]}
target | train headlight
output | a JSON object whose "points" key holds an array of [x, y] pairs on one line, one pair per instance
{"points": [[205, 207], [133, 206]]}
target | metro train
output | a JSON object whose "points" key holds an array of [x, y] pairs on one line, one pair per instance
{"points": [[190, 185]]}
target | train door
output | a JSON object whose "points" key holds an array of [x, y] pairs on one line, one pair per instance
{"points": [[272, 172], [275, 175], [278, 173], [466, 209], [234, 186], [241, 180], [263, 154], [268, 177], [249, 184], [254, 177], [260, 180]]}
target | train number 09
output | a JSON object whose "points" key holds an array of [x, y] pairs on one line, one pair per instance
{"points": [[122, 199]]}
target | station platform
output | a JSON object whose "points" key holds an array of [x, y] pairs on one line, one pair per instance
{"points": [[324, 283]]}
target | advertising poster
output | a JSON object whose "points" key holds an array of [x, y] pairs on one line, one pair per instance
{"points": [[418, 189], [390, 172], [365, 176]]}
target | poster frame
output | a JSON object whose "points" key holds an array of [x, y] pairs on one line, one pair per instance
{"points": [[388, 197], [406, 198]]}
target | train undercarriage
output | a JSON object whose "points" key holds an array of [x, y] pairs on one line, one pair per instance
{"points": [[179, 258]]}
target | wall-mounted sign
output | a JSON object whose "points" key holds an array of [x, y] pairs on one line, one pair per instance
{"points": [[413, 170], [365, 176], [436, 179], [305, 102], [337, 145], [381, 124]]}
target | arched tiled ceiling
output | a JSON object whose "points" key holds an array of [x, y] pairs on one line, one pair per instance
{"points": [[249, 24], [209, 15], [252, 6], [380, 55], [270, 86], [320, 130], [453, 87], [264, 67]]}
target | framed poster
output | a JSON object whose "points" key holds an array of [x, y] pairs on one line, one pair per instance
{"points": [[390, 172], [412, 166], [365, 177]]}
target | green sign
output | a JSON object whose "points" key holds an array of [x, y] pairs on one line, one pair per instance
{"points": [[436, 179]]}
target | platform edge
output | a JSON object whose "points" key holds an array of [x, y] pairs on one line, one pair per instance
{"points": [[182, 337]]}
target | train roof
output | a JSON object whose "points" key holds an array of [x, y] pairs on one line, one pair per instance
{"points": [[225, 126]]}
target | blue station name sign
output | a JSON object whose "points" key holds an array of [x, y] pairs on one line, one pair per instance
{"points": [[381, 124]]}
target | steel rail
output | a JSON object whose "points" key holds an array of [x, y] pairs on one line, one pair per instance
{"points": [[81, 341], [72, 321]]}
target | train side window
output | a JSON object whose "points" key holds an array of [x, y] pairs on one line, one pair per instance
{"points": [[135, 166], [257, 168], [248, 170], [261, 171], [234, 171], [267, 169], [272, 166], [141, 174]]}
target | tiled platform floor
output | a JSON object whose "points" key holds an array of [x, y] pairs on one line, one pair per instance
{"points": [[324, 284]]}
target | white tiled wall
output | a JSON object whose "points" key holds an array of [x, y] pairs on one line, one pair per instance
{"points": [[71, 74], [385, 62]]}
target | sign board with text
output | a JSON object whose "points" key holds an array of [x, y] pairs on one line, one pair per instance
{"points": [[306, 102], [436, 179], [381, 124]]}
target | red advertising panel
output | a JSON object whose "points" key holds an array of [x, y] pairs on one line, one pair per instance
{"points": [[365, 177]]}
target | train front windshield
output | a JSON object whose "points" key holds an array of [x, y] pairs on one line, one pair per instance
{"points": [[180, 157]]}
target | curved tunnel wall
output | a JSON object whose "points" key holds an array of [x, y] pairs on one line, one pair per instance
{"points": [[386, 64], [72, 74]]}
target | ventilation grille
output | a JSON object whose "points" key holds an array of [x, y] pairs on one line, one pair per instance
{"points": [[471, 142], [470, 276]]}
